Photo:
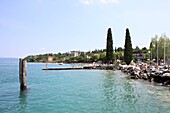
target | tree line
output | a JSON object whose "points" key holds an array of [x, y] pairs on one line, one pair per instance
{"points": [[157, 45], [110, 55]]}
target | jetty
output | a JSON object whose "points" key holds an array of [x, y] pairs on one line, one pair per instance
{"points": [[89, 67], [71, 68], [66, 68]]}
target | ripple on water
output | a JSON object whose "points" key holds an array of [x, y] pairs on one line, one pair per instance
{"points": [[81, 91]]}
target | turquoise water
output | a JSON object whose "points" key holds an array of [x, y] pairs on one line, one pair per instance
{"points": [[80, 91]]}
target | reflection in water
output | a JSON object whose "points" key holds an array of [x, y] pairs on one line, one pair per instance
{"points": [[129, 97], [109, 90], [118, 93], [108, 86], [22, 101]]}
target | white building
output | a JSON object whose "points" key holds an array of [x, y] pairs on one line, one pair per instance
{"points": [[75, 53], [50, 58]]}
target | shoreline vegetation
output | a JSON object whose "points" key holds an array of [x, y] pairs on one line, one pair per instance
{"points": [[149, 64], [97, 55], [158, 48]]}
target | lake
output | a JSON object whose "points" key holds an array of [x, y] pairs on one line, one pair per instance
{"points": [[77, 91]]}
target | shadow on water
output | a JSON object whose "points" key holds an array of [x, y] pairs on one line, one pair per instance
{"points": [[22, 101]]}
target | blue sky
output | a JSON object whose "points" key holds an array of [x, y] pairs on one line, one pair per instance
{"points": [[51, 26]]}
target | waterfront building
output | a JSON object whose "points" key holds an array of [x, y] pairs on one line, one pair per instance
{"points": [[75, 53]]}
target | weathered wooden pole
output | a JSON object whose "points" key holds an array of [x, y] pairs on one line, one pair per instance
{"points": [[22, 74]]}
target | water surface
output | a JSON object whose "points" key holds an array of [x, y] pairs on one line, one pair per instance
{"points": [[78, 91]]}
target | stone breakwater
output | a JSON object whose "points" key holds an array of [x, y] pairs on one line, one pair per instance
{"points": [[157, 74]]}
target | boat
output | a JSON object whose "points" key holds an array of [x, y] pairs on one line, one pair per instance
{"points": [[61, 63]]}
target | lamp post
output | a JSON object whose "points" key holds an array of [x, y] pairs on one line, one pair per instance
{"points": [[164, 49], [151, 46], [157, 50], [149, 57]]}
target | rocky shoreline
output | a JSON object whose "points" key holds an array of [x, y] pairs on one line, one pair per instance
{"points": [[157, 74]]}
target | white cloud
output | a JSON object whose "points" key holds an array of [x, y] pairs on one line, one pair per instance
{"points": [[86, 2], [109, 1]]}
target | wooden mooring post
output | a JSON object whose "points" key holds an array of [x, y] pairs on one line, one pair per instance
{"points": [[22, 74]]}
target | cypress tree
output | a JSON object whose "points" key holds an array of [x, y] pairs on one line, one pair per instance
{"points": [[128, 51], [109, 47]]}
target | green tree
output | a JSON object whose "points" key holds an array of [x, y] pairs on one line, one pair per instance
{"points": [[144, 50], [119, 55], [109, 47], [103, 57], [119, 49], [128, 51], [159, 41]]}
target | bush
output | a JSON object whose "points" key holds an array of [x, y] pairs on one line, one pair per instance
{"points": [[123, 63]]}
